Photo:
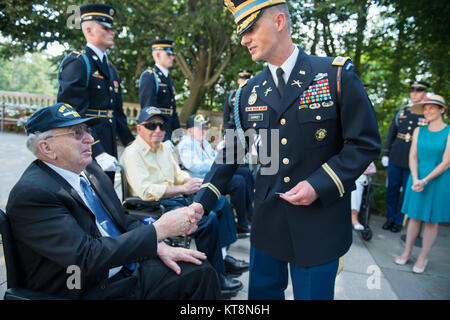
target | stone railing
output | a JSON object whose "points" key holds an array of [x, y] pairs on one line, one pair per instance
{"points": [[132, 110]]}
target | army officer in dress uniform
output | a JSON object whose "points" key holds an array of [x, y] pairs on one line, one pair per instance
{"points": [[156, 88], [328, 135], [396, 152], [90, 84], [228, 122]]}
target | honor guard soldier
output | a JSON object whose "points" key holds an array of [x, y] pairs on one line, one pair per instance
{"points": [[89, 83], [156, 88], [326, 135], [228, 122], [396, 154]]}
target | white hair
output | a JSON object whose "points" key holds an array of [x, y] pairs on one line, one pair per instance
{"points": [[34, 138]]}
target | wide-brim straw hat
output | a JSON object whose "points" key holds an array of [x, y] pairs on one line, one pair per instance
{"points": [[417, 108]]}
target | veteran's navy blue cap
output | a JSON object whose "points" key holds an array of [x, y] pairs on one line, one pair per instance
{"points": [[98, 12], [196, 120], [163, 44], [59, 115], [149, 112]]}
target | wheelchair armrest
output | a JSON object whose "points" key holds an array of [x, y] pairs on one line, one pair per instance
{"points": [[26, 294], [134, 202]]}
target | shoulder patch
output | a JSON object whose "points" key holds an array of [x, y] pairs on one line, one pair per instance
{"points": [[340, 61], [78, 53]]}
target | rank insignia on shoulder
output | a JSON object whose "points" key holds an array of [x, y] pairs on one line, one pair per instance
{"points": [[340, 61]]}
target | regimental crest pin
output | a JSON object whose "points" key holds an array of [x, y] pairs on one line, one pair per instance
{"points": [[320, 134], [252, 99]]}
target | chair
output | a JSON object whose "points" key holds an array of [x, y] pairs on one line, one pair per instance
{"points": [[15, 290], [152, 209]]}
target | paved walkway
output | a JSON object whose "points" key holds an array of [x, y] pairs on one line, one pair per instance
{"points": [[369, 272]]}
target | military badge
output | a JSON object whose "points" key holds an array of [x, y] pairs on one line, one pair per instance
{"points": [[316, 93], [116, 86], [320, 134], [327, 104], [320, 76], [314, 106], [260, 108], [252, 99], [267, 91], [255, 117]]}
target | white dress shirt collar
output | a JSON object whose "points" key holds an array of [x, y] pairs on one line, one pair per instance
{"points": [[165, 71], [97, 51], [287, 66]]}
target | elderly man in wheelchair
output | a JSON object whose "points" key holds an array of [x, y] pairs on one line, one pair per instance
{"points": [[152, 174]]}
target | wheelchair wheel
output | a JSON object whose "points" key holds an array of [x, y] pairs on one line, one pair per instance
{"points": [[366, 234]]}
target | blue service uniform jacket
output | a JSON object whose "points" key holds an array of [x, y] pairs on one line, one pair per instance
{"points": [[399, 138], [160, 95], [322, 139], [228, 121], [98, 94]]}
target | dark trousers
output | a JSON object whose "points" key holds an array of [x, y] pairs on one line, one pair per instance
{"points": [[153, 280], [397, 178], [268, 279], [215, 230], [240, 188]]}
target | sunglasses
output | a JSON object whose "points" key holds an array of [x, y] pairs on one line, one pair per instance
{"points": [[78, 132], [152, 125]]}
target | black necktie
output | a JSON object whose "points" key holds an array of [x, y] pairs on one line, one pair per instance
{"points": [[281, 83], [105, 64]]}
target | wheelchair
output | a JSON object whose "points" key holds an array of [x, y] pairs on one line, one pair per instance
{"points": [[148, 212], [364, 212]]}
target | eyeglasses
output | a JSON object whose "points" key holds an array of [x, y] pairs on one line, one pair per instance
{"points": [[78, 132], [152, 125]]}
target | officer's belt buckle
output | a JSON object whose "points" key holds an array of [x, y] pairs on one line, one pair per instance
{"points": [[404, 136], [99, 113]]}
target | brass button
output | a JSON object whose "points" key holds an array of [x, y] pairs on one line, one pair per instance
{"points": [[283, 121], [284, 141], [99, 87], [111, 100], [254, 125], [409, 128], [318, 118], [110, 88], [286, 161], [287, 179]]}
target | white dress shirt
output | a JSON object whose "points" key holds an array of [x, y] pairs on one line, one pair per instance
{"points": [[287, 67]]}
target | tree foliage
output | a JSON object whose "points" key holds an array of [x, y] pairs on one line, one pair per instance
{"points": [[391, 42]]}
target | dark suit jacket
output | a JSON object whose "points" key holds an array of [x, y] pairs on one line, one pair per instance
{"points": [[163, 98], [322, 139], [101, 92], [54, 229]]}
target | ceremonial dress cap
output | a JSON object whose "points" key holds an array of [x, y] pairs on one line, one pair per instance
{"points": [[245, 74], [417, 108], [196, 120], [246, 12], [149, 112], [418, 85], [100, 13], [59, 115], [163, 44]]}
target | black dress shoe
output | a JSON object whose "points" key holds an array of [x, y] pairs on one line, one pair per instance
{"points": [[387, 225], [242, 232], [229, 287], [234, 266], [396, 228]]}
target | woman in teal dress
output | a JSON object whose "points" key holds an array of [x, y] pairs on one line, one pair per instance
{"points": [[426, 197]]}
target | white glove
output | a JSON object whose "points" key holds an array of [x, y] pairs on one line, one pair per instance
{"points": [[107, 162], [385, 161]]}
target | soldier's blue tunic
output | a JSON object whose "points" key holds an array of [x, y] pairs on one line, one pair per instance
{"points": [[157, 90], [98, 94], [322, 139]]}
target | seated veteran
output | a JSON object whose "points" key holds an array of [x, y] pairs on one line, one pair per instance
{"points": [[65, 215], [197, 156], [153, 174]]}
